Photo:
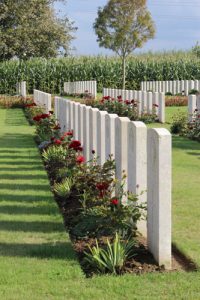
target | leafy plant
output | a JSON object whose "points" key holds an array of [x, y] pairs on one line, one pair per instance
{"points": [[112, 258], [55, 156], [63, 189]]}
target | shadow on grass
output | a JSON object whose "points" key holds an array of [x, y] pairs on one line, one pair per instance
{"points": [[28, 210], [27, 198], [185, 143], [22, 177], [56, 250], [17, 141], [24, 186], [15, 117], [23, 170], [33, 226]]}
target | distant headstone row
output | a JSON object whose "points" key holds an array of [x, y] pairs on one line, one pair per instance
{"points": [[42, 99], [81, 87], [147, 102], [144, 154], [174, 87]]}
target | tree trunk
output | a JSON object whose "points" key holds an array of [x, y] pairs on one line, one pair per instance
{"points": [[124, 72]]}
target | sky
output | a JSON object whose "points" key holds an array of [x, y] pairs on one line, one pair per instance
{"points": [[177, 24]]}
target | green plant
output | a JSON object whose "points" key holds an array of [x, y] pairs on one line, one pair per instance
{"points": [[168, 94], [55, 156], [193, 92], [179, 123], [112, 258], [63, 189]]}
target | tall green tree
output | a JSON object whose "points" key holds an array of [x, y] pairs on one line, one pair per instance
{"points": [[30, 28], [123, 26]]}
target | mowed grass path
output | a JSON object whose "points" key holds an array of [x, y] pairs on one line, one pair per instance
{"points": [[36, 257]]}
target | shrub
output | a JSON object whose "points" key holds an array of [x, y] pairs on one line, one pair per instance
{"points": [[179, 124]]}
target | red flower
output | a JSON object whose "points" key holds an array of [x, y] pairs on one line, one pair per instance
{"points": [[80, 159], [52, 138], [58, 142], [37, 118], [102, 186], [69, 133], [75, 145], [44, 116], [79, 149], [128, 102], [106, 98], [62, 138], [115, 201], [119, 97]]}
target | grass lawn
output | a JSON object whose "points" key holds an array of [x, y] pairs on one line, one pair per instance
{"points": [[36, 258]]}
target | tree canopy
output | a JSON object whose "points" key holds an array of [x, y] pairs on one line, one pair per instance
{"points": [[123, 26], [32, 29]]}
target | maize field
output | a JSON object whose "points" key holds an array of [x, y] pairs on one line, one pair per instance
{"points": [[50, 75]]}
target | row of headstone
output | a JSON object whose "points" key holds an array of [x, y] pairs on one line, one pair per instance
{"points": [[193, 106], [144, 154], [147, 102], [21, 89], [174, 87], [81, 87], [42, 99]]}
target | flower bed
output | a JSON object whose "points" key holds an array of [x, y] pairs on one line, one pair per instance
{"points": [[122, 108], [11, 101], [102, 229], [176, 101]]}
